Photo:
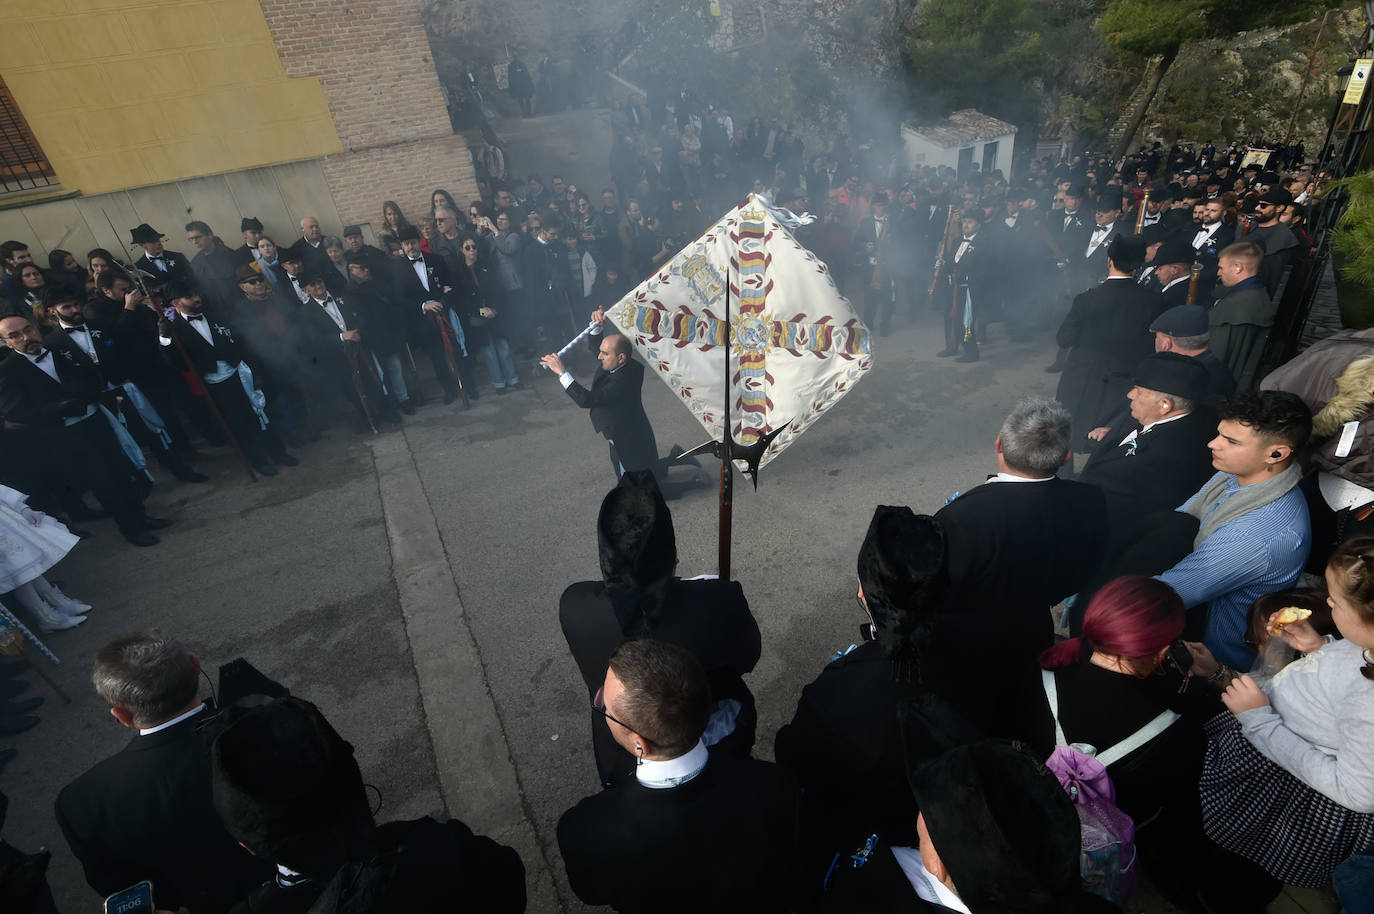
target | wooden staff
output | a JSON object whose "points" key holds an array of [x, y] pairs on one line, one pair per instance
{"points": [[1193, 283], [354, 354], [727, 469], [1140, 216], [944, 252], [451, 353]]}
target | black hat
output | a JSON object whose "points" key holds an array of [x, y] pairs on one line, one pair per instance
{"points": [[1276, 195], [1252, 166], [1126, 251], [1109, 200], [1181, 320], [1172, 373], [408, 233], [144, 234], [1214, 179], [1267, 178], [1192, 193], [56, 293], [179, 289], [1174, 191], [352, 230], [879, 199], [250, 222], [973, 212], [1003, 826], [291, 255], [309, 276], [1174, 250], [1154, 234], [245, 271], [360, 258], [287, 786], [636, 546], [900, 565], [1076, 189]]}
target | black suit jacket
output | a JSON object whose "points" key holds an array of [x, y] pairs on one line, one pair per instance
{"points": [[313, 259], [131, 351], [146, 813], [1108, 330], [1169, 464], [29, 396], [1090, 269], [1013, 550], [178, 267], [722, 841], [406, 282], [227, 346], [617, 413]]}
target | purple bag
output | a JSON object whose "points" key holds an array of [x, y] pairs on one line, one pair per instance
{"points": [[1107, 856]]}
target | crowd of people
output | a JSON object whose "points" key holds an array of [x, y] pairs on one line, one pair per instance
{"points": [[1134, 613]]}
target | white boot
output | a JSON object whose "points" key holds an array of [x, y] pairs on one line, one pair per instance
{"points": [[49, 620], [54, 597]]}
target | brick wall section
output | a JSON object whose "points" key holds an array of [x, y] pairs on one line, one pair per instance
{"points": [[407, 173], [373, 60]]}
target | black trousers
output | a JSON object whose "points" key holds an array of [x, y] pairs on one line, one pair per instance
{"points": [[260, 445], [92, 459]]}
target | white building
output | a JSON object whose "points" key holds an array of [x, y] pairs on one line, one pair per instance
{"points": [[963, 139]]}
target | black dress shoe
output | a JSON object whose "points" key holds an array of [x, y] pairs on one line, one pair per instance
{"points": [[186, 474], [79, 532], [15, 708], [265, 469], [155, 523], [946, 353], [286, 460], [407, 407], [141, 538], [10, 725]]}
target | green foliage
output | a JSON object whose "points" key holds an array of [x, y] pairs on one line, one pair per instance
{"points": [[1353, 237], [1150, 27]]}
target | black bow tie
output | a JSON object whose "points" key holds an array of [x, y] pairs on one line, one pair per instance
{"points": [[66, 329], [41, 356], [416, 259], [195, 317]]}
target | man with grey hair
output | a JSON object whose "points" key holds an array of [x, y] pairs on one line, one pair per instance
{"points": [[146, 812], [1016, 545]]}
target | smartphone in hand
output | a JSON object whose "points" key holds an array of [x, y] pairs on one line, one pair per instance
{"points": [[136, 899]]}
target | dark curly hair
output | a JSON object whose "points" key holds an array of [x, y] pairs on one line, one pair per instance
{"points": [[1278, 416]]}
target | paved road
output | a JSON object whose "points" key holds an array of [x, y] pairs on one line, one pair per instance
{"points": [[408, 583]]}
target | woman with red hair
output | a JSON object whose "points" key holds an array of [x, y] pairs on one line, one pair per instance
{"points": [[1118, 695]]}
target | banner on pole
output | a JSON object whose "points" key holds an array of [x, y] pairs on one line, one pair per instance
{"points": [[796, 345]]}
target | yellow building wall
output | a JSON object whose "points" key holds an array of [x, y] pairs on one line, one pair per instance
{"points": [[126, 93]]}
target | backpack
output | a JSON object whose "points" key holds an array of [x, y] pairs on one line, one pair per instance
{"points": [[1107, 856]]}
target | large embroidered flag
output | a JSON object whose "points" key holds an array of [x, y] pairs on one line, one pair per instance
{"points": [[796, 346]]}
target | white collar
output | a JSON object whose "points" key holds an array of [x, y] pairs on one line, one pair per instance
{"points": [[1009, 477], [1146, 428], [927, 887], [173, 722], [673, 772], [67, 326], [35, 359], [1119, 277], [1183, 278]]}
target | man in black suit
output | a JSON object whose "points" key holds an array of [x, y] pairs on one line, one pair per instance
{"points": [[336, 335], [218, 357], [1107, 334], [90, 345], [354, 244], [146, 812], [166, 266], [1209, 239], [638, 594], [56, 399], [870, 252], [708, 832], [1017, 545], [1067, 233], [387, 325], [1185, 329], [311, 246], [1089, 262], [1155, 456], [614, 399], [420, 285], [1173, 265], [251, 227], [971, 289]]}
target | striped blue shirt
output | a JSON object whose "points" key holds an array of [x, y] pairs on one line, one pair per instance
{"points": [[1246, 558]]}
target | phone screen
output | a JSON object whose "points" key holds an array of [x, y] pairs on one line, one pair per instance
{"points": [[136, 899]]}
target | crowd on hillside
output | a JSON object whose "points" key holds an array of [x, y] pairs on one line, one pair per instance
{"points": [[1137, 628]]}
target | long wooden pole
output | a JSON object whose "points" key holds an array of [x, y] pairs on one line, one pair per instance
{"points": [[727, 469]]}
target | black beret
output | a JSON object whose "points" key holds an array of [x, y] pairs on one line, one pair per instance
{"points": [[352, 230], [1182, 320]]}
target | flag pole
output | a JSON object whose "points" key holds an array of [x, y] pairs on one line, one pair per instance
{"points": [[727, 471]]}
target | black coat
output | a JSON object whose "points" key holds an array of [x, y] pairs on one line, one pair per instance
{"points": [[214, 270], [29, 396], [1013, 550], [178, 268], [313, 259], [227, 347], [617, 413], [474, 289], [409, 292], [845, 748], [1091, 269], [146, 813], [130, 350], [384, 319], [1108, 332], [1169, 464], [722, 841]]}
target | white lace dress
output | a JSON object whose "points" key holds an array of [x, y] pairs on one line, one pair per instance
{"points": [[27, 551]]}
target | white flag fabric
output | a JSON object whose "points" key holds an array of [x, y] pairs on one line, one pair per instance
{"points": [[796, 344]]}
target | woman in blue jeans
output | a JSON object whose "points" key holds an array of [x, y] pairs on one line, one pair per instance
{"points": [[478, 299]]}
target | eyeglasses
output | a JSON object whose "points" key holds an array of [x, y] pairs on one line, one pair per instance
{"points": [[599, 705], [469, 247]]}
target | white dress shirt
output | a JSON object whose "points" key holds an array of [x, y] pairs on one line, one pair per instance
{"points": [[46, 362], [1204, 234], [331, 308], [418, 265], [145, 731], [1134, 433], [673, 772], [81, 336], [1099, 236]]}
